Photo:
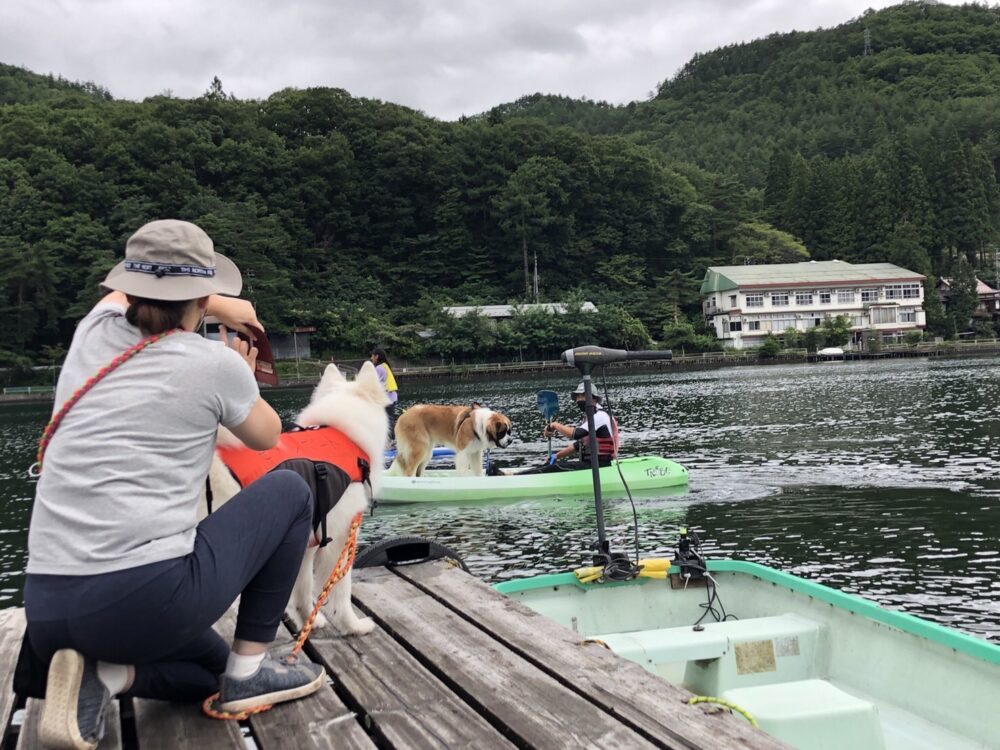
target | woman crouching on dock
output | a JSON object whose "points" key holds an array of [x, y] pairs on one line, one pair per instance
{"points": [[123, 585]]}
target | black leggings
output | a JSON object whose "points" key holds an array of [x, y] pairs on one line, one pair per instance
{"points": [[391, 411], [159, 617]]}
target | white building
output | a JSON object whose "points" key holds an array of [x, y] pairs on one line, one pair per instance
{"points": [[505, 312], [745, 303]]}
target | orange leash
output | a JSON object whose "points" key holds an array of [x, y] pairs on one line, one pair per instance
{"points": [[342, 568]]}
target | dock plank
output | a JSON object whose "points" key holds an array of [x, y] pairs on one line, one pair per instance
{"points": [[533, 707], [406, 705], [320, 721], [11, 632], [656, 708], [27, 738], [161, 725]]}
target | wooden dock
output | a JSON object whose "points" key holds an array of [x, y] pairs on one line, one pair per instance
{"points": [[452, 664]]}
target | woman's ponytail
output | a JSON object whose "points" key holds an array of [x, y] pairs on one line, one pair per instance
{"points": [[152, 316]]}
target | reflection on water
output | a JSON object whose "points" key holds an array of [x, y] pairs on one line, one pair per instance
{"points": [[881, 479]]}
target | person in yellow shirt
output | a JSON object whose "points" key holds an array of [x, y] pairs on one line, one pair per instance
{"points": [[388, 381]]}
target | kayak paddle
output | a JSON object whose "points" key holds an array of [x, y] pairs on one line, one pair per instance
{"points": [[548, 405]]}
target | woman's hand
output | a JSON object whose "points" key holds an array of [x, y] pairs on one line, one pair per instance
{"points": [[244, 348], [234, 313]]}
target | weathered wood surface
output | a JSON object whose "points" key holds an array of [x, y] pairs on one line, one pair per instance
{"points": [[510, 691], [177, 726], [404, 703], [653, 707], [11, 633], [451, 664]]}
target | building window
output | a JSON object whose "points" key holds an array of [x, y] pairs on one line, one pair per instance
{"points": [[858, 321], [869, 295], [753, 325], [779, 300], [732, 300], [907, 315], [902, 291], [803, 298], [755, 300], [845, 296], [825, 298], [735, 326], [882, 315]]}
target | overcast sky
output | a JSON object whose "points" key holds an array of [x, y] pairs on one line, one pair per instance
{"points": [[444, 57]]}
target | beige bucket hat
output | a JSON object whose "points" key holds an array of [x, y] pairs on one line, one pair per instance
{"points": [[173, 260]]}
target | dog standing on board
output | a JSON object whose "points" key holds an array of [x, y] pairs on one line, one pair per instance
{"points": [[357, 409], [469, 430]]}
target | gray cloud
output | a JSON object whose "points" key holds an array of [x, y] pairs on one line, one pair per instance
{"points": [[445, 57]]}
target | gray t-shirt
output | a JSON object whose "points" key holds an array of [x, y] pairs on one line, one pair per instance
{"points": [[125, 469]]}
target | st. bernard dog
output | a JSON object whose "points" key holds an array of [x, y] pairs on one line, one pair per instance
{"points": [[469, 430]]}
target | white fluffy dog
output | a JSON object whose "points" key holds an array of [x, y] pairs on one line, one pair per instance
{"points": [[357, 409]]}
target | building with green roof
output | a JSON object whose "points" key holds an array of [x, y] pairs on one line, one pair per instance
{"points": [[745, 303]]}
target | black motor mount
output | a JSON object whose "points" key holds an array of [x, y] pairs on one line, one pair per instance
{"points": [[688, 556]]}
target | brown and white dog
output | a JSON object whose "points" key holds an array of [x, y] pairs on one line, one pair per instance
{"points": [[469, 430], [357, 409]]}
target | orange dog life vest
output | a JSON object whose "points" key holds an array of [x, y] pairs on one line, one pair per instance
{"points": [[324, 457]]}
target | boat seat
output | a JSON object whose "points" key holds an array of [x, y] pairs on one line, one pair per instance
{"points": [[652, 648], [812, 715], [761, 651]]}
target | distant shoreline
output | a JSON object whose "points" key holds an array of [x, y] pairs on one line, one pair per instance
{"points": [[546, 369]]}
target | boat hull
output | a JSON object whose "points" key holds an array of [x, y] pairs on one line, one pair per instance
{"points": [[642, 474], [810, 660]]}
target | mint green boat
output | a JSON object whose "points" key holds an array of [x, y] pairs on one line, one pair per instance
{"points": [[642, 473], [814, 667]]}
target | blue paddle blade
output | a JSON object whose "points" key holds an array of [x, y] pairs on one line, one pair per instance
{"points": [[548, 403]]}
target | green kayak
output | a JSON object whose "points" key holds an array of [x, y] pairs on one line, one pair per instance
{"points": [[641, 473]]}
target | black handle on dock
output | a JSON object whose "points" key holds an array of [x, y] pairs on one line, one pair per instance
{"points": [[589, 356]]}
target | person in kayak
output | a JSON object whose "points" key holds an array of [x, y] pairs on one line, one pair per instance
{"points": [[606, 433]]}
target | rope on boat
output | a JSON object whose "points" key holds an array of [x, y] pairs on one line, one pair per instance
{"points": [[727, 704], [342, 568]]}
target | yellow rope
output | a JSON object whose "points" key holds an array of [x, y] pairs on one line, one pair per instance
{"points": [[722, 702]]}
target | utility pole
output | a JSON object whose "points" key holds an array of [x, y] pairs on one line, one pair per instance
{"points": [[536, 277], [248, 277], [295, 343], [868, 43]]}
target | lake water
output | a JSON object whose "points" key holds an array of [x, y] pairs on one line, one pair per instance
{"points": [[881, 479]]}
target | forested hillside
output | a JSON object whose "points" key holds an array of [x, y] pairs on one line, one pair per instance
{"points": [[363, 218]]}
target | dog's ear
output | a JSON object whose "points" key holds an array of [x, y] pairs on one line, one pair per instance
{"points": [[333, 374], [332, 377], [368, 382]]}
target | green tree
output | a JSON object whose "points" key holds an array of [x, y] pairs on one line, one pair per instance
{"points": [[532, 208], [964, 298], [770, 347]]}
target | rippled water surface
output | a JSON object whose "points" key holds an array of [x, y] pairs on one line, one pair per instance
{"points": [[881, 479]]}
